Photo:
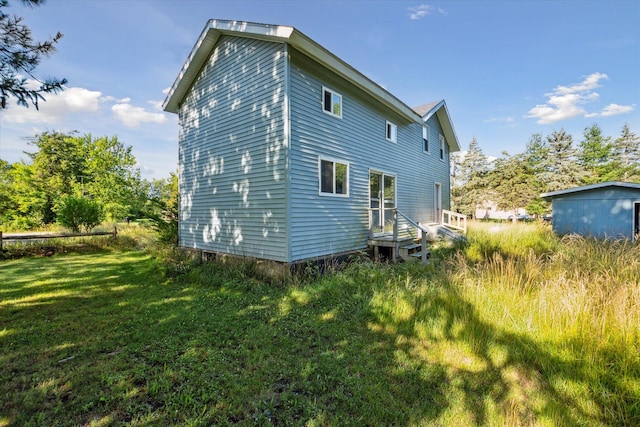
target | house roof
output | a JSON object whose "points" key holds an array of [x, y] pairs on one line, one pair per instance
{"points": [[553, 194], [276, 33], [439, 108], [215, 28]]}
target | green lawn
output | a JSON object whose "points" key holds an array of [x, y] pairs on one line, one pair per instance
{"points": [[118, 337]]}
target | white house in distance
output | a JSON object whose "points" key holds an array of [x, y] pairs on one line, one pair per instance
{"points": [[288, 153]]}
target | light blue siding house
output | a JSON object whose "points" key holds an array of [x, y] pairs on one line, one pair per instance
{"points": [[610, 209], [288, 153]]}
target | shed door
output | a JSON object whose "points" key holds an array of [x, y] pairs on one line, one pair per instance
{"points": [[382, 200], [636, 221]]}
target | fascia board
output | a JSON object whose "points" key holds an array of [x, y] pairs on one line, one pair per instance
{"points": [[215, 28], [442, 113], [205, 44]]}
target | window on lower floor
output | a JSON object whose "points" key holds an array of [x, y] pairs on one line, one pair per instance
{"points": [[334, 178]]}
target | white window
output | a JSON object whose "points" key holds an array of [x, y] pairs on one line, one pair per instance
{"points": [[334, 177], [425, 138], [441, 147], [331, 102], [392, 132]]}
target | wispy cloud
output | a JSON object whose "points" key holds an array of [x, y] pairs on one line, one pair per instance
{"points": [[565, 102], [419, 12], [56, 107], [76, 100], [133, 116]]}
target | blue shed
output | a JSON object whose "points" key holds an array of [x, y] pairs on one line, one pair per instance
{"points": [[609, 209], [288, 153]]}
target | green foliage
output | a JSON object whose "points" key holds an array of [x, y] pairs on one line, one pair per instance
{"points": [[63, 165], [162, 208], [75, 212], [19, 56]]}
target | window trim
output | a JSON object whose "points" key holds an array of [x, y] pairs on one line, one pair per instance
{"points": [[425, 140], [393, 137], [334, 161], [322, 102], [442, 144]]}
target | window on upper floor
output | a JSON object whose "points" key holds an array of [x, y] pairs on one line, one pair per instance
{"points": [[334, 177], [331, 102], [391, 132], [425, 138], [441, 147]]}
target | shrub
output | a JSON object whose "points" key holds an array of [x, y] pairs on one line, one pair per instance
{"points": [[75, 212]]}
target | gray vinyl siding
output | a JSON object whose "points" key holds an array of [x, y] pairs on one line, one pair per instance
{"points": [[321, 225], [233, 151], [603, 212]]}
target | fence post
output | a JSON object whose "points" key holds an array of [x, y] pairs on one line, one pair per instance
{"points": [[1, 241], [115, 232]]}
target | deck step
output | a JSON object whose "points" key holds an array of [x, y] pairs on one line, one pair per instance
{"points": [[419, 254]]}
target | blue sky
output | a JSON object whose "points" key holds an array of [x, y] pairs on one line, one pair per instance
{"points": [[507, 69]]}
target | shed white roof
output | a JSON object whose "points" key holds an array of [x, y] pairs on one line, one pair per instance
{"points": [[553, 194]]}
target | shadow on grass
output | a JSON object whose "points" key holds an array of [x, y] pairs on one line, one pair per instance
{"points": [[106, 338]]}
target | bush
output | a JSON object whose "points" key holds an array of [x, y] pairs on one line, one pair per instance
{"points": [[75, 212]]}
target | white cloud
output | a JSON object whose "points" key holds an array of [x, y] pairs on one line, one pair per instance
{"points": [[56, 107], [419, 12], [132, 116], [615, 109], [566, 102]]}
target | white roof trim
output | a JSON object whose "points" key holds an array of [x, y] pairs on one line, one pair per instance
{"points": [[590, 187], [215, 28], [442, 112]]}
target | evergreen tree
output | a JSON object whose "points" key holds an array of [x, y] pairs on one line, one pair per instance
{"points": [[19, 57], [626, 152], [471, 190], [561, 169], [511, 183], [596, 157], [534, 158]]}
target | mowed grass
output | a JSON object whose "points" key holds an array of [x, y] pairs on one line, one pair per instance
{"points": [[515, 328]]}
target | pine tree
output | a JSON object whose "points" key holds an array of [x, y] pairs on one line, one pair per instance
{"points": [[511, 183], [626, 151], [596, 157], [561, 169], [470, 190], [535, 157], [19, 57]]}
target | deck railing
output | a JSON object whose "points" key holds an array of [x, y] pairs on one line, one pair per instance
{"points": [[454, 220], [397, 215]]}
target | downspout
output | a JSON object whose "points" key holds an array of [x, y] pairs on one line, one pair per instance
{"points": [[287, 150]]}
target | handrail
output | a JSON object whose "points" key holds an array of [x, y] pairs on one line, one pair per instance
{"points": [[458, 217], [396, 247]]}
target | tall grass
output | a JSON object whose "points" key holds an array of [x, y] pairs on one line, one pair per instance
{"points": [[577, 298]]}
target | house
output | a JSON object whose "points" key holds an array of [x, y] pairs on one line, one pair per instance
{"points": [[288, 153], [490, 210], [609, 209]]}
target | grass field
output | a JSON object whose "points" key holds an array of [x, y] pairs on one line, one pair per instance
{"points": [[516, 328]]}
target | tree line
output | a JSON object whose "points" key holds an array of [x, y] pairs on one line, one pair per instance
{"points": [[552, 163], [69, 175]]}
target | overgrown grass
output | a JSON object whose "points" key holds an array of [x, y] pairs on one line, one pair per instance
{"points": [[515, 328]]}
